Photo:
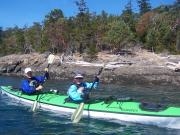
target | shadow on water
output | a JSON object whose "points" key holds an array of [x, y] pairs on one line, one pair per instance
{"points": [[17, 119]]}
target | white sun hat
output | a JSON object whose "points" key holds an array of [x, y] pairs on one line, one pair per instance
{"points": [[27, 70]]}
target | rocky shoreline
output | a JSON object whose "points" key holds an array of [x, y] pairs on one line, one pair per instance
{"points": [[141, 68]]}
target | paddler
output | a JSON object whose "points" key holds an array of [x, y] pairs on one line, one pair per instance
{"points": [[79, 90], [31, 84]]}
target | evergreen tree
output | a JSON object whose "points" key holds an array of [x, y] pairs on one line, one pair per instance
{"points": [[82, 25], [143, 25], [9, 41], [33, 35], [82, 7], [54, 30], [88, 32], [160, 34], [118, 34], [128, 16], [20, 40], [144, 6], [53, 16], [100, 23]]}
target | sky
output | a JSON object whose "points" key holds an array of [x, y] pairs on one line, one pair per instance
{"points": [[25, 12]]}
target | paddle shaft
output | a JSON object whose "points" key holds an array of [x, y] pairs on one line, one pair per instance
{"points": [[76, 116], [50, 61], [100, 71]]}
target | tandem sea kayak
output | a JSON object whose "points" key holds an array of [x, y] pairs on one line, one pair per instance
{"points": [[109, 108]]}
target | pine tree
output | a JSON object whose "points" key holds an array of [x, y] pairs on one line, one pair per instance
{"points": [[128, 16], [144, 6], [82, 25]]}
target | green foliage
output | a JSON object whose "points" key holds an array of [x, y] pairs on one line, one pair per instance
{"points": [[82, 7], [9, 41], [92, 52], [20, 40], [161, 35], [178, 41], [55, 30], [53, 16], [143, 25], [89, 33], [118, 33], [83, 26], [44, 43], [99, 28], [128, 16], [33, 38], [144, 6]]}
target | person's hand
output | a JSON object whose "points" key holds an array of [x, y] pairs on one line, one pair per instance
{"points": [[40, 87], [46, 69], [80, 90]]}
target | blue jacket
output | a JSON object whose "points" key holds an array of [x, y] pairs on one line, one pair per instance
{"points": [[73, 90], [29, 85]]}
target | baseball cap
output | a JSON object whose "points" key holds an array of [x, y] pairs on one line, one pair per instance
{"points": [[27, 70]]}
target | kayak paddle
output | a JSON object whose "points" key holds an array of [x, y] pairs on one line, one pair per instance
{"points": [[76, 116], [50, 61]]}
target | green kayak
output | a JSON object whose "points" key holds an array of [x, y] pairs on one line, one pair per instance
{"points": [[123, 109]]}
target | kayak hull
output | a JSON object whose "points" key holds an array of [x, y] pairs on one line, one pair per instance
{"points": [[144, 118]]}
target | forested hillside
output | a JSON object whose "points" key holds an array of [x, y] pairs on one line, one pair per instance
{"points": [[153, 29]]}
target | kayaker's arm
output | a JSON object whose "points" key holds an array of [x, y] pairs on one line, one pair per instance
{"points": [[73, 93], [94, 84], [42, 79]]}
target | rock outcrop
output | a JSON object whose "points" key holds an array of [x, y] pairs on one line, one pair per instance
{"points": [[142, 68]]}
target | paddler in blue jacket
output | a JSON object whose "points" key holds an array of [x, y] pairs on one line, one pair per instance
{"points": [[79, 90], [31, 84]]}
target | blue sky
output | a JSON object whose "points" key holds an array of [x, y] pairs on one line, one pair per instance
{"points": [[25, 12]]}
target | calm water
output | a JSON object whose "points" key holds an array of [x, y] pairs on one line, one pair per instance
{"points": [[17, 119]]}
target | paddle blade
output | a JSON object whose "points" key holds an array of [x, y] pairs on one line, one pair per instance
{"points": [[51, 58], [75, 118], [34, 106]]}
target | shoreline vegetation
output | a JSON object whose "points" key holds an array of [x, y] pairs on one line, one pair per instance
{"points": [[141, 67], [87, 32]]}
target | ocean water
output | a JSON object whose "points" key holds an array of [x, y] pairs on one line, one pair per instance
{"points": [[18, 119]]}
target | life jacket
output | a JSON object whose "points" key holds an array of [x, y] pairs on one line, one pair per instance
{"points": [[33, 83]]}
